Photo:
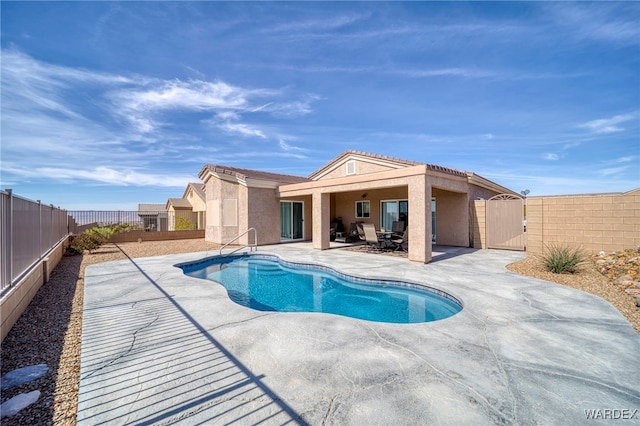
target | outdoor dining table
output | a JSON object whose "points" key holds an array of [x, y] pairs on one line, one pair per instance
{"points": [[385, 238]]}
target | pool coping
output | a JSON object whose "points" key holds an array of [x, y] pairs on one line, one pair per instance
{"points": [[521, 351]]}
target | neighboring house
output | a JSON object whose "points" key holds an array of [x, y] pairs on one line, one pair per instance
{"points": [[153, 216], [355, 187], [194, 193], [187, 212]]}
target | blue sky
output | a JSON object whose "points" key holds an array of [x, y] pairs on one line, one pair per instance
{"points": [[109, 104]]}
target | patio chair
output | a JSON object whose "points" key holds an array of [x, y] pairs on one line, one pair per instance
{"points": [[360, 232], [399, 242], [371, 237], [397, 227]]}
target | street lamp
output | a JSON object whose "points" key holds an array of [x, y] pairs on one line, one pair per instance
{"points": [[524, 193]]}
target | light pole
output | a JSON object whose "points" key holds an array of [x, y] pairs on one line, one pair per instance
{"points": [[524, 193]]}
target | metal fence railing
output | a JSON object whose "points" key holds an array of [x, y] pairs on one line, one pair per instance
{"points": [[29, 230], [159, 220]]}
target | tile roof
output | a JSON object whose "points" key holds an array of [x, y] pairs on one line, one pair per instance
{"points": [[252, 174], [398, 161], [152, 208], [197, 187], [179, 202]]}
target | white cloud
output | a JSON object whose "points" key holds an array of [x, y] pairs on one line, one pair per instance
{"points": [[551, 156], [226, 121], [291, 150], [613, 22], [608, 125], [104, 175], [612, 171], [189, 95], [241, 129], [79, 123], [449, 72]]}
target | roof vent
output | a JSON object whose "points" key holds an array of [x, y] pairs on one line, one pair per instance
{"points": [[351, 167]]}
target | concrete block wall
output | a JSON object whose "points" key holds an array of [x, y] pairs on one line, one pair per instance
{"points": [[595, 222], [132, 236], [478, 219]]}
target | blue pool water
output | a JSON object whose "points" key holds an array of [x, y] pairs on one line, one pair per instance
{"points": [[266, 283]]}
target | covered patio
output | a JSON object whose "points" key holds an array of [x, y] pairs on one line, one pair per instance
{"points": [[418, 185]]}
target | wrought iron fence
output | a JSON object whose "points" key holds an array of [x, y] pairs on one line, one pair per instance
{"points": [[157, 220], [29, 231]]}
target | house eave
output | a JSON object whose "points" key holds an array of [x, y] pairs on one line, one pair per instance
{"points": [[482, 182]]}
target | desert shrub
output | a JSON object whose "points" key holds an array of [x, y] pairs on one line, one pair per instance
{"points": [[563, 259], [87, 241], [107, 231], [184, 224]]}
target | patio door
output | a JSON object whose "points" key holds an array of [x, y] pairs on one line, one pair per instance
{"points": [[392, 210], [291, 220]]}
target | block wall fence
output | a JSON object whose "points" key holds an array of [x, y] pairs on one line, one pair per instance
{"points": [[595, 222], [16, 300]]}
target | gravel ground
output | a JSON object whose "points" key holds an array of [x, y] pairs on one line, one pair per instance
{"points": [[49, 331]]}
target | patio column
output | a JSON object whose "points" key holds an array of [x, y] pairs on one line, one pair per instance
{"points": [[419, 219], [321, 207]]}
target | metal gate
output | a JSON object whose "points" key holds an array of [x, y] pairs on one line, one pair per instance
{"points": [[505, 222]]}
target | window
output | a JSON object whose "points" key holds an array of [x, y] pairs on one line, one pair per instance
{"points": [[362, 209], [393, 210]]}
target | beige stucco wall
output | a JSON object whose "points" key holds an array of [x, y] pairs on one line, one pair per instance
{"points": [[264, 214], [362, 168], [219, 193], [197, 203], [597, 222], [452, 227]]}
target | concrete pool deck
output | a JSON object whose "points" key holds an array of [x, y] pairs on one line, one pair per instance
{"points": [[159, 347]]}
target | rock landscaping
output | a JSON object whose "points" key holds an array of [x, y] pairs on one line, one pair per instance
{"points": [[622, 269]]}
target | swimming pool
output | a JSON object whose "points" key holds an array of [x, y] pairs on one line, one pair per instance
{"points": [[267, 283]]}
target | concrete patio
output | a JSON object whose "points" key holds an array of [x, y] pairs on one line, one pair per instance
{"points": [[159, 347]]}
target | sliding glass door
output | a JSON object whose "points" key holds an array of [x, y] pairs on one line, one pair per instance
{"points": [[393, 210], [291, 220]]}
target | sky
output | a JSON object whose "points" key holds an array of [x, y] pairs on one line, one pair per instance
{"points": [[105, 105]]}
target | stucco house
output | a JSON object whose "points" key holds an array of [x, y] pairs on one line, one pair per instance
{"points": [[355, 186], [191, 208], [153, 217]]}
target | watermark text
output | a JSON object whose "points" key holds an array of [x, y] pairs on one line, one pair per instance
{"points": [[611, 414]]}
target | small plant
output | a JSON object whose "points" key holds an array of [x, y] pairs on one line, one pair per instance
{"points": [[88, 241], [184, 224], [562, 259]]}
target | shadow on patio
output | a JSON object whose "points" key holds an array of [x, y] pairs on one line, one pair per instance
{"points": [[145, 360]]}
